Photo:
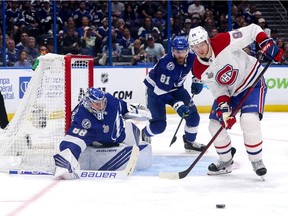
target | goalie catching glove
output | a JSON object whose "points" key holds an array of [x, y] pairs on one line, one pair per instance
{"points": [[223, 113], [271, 50], [138, 112]]}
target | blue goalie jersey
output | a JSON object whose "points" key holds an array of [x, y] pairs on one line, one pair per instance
{"points": [[107, 131]]}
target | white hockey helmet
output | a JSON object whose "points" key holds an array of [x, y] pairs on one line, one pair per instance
{"points": [[197, 35]]}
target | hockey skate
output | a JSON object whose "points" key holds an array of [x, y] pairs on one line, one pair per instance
{"points": [[192, 146], [65, 163], [259, 168], [145, 138], [221, 167]]}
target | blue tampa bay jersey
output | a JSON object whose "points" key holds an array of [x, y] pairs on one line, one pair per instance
{"points": [[167, 75], [108, 131]]}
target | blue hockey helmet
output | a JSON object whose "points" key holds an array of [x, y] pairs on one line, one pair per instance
{"points": [[95, 100], [180, 43]]}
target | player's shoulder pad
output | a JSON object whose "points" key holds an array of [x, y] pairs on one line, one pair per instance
{"points": [[198, 69], [220, 42]]}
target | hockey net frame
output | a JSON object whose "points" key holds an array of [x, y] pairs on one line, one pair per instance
{"points": [[44, 113]]}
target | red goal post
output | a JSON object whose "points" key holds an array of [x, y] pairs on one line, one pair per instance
{"points": [[44, 113]]}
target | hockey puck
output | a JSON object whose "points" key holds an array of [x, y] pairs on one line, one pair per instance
{"points": [[220, 206]]}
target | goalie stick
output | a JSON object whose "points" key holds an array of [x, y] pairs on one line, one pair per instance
{"points": [[95, 174], [183, 174]]}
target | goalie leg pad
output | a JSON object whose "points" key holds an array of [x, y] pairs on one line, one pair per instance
{"points": [[65, 163], [250, 125], [132, 134]]}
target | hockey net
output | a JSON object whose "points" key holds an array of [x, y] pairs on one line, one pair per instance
{"points": [[32, 137]]}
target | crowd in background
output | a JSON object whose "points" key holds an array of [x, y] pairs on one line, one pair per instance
{"points": [[139, 28]]}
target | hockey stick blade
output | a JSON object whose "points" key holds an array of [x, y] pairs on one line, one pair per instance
{"points": [[184, 173], [94, 174], [169, 175], [174, 136]]}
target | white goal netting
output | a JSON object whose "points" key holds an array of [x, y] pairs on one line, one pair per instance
{"points": [[43, 115]]}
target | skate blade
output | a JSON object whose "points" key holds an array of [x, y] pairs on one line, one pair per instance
{"points": [[221, 172], [263, 178], [190, 151]]}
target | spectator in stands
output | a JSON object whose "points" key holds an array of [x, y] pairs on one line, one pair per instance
{"points": [[22, 62], [126, 39], [157, 36], [146, 29], [280, 44], [238, 21], [209, 24], [79, 13], [117, 8], [208, 14], [175, 27], [196, 20], [129, 16], [31, 19], [158, 20], [71, 43], [257, 16], [3, 115], [104, 30], [12, 54], [214, 32], [187, 27], [23, 41], [262, 23], [70, 24], [147, 9], [50, 45], [32, 52], [85, 23], [196, 8], [116, 51], [45, 15], [42, 50], [14, 19], [99, 14], [223, 24], [65, 11], [274, 35], [154, 50], [89, 40], [285, 55], [120, 26], [138, 52]]}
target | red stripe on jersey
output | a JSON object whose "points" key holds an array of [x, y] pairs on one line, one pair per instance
{"points": [[220, 42], [253, 146], [198, 68], [248, 77]]}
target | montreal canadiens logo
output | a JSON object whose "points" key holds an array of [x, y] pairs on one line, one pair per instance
{"points": [[227, 75]]}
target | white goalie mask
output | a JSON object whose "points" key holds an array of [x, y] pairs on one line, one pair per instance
{"points": [[197, 35]]}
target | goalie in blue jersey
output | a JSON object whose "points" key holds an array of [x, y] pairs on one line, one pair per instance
{"points": [[98, 119], [165, 86]]}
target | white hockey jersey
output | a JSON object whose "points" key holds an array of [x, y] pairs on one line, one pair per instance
{"points": [[230, 70]]}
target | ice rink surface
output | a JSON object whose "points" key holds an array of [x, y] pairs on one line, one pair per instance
{"points": [[144, 193]]}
